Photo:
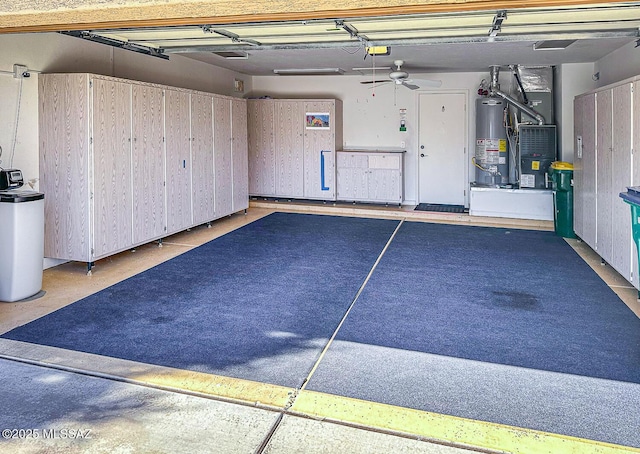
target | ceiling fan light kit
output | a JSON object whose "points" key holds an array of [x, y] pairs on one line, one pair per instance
{"points": [[400, 77]]}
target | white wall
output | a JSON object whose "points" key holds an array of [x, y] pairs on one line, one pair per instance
{"points": [[372, 116], [53, 52], [570, 80], [618, 65]]}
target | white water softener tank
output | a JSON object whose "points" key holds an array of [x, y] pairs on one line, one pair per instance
{"points": [[21, 243], [492, 152]]}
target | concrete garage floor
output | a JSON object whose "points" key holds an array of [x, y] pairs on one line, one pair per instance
{"points": [[76, 402]]}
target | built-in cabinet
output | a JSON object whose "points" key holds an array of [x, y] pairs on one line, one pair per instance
{"points": [[290, 154], [178, 160], [123, 163], [604, 167], [370, 176]]}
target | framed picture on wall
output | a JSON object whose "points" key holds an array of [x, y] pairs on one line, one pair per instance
{"points": [[318, 120]]}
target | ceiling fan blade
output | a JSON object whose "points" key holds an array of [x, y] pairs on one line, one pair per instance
{"points": [[432, 83], [410, 86], [375, 81]]}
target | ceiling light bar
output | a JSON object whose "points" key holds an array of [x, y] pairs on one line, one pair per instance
{"points": [[309, 72]]}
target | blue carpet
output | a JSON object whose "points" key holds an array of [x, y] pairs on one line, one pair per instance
{"points": [[454, 316], [514, 297], [258, 303]]}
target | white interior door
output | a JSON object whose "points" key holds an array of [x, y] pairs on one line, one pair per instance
{"points": [[442, 148]]}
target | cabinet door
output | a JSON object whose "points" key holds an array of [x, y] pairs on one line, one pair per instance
{"points": [[578, 189], [589, 212], [352, 176], [239, 153], [202, 158], [385, 178], [262, 160], [64, 165], [289, 127], [319, 152], [148, 163], [622, 243], [222, 156], [178, 161], [604, 174], [112, 201], [636, 168]]}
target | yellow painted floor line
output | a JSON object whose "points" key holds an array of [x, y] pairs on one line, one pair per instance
{"points": [[236, 390], [443, 428], [343, 410]]}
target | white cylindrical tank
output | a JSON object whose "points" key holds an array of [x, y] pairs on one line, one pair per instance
{"points": [[492, 151], [21, 243]]}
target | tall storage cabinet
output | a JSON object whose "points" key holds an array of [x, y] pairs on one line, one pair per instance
{"points": [[287, 157], [147, 163], [262, 153], [123, 163], [178, 160], [289, 148], [109, 223], [240, 157], [604, 167], [202, 157]]}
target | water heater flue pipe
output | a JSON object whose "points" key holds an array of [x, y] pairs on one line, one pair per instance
{"points": [[495, 91]]}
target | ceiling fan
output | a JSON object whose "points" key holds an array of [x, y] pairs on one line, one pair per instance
{"points": [[400, 77]]}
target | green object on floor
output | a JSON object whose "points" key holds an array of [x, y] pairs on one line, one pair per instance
{"points": [[632, 197], [561, 176]]}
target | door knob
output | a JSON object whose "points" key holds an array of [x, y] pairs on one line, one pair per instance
{"points": [[422, 155], [422, 147]]}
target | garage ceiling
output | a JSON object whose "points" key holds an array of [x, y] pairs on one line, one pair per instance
{"points": [[436, 42]]}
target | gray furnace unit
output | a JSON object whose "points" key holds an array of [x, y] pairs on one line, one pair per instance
{"points": [[537, 152]]}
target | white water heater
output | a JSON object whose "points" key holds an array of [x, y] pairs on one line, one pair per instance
{"points": [[492, 150]]}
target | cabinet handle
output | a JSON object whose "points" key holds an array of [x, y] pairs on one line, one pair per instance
{"points": [[322, 183]]}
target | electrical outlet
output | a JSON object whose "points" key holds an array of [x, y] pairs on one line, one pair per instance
{"points": [[402, 144], [20, 71]]}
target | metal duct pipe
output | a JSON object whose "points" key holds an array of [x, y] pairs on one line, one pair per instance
{"points": [[518, 105], [495, 72], [494, 90]]}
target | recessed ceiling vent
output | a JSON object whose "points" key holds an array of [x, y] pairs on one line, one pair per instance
{"points": [[553, 44], [233, 55]]}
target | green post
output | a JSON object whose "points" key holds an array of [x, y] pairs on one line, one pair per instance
{"points": [[562, 185]]}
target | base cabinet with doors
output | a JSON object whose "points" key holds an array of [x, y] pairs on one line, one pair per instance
{"points": [[292, 147], [370, 176], [123, 163], [605, 130]]}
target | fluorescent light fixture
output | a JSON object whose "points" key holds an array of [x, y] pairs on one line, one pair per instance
{"points": [[309, 72], [553, 44]]}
